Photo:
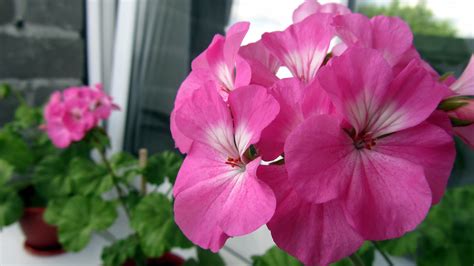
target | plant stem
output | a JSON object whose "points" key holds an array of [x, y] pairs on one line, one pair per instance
{"points": [[18, 96], [384, 255], [356, 260], [115, 180]]}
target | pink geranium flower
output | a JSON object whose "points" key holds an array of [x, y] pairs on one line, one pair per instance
{"points": [[217, 191], [219, 63], [303, 46], [310, 7], [70, 114], [464, 86], [316, 234], [383, 162]]}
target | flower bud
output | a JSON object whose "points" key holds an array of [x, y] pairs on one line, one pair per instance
{"points": [[460, 109]]}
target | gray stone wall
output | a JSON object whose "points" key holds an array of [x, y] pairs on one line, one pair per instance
{"points": [[41, 48]]}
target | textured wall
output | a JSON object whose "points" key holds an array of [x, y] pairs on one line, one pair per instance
{"points": [[41, 48]]}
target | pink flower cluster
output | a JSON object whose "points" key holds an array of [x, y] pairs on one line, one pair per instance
{"points": [[70, 114], [353, 147]]}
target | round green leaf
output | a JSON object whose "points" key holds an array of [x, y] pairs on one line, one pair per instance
{"points": [[11, 207], [154, 223], [275, 257], [51, 177], [89, 178], [15, 151], [78, 217], [120, 251], [165, 164], [6, 171]]}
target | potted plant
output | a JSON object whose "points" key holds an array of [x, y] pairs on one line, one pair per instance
{"points": [[23, 145], [78, 185]]}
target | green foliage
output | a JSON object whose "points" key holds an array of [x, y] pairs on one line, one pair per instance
{"points": [[205, 258], [125, 166], [165, 164], [120, 251], [420, 18], [88, 177], [366, 253], [6, 171], [275, 257], [153, 220], [15, 151], [4, 91], [27, 116], [51, 177], [446, 237], [11, 207], [78, 217]]}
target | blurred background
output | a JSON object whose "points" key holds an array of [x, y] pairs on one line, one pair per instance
{"points": [[142, 50]]}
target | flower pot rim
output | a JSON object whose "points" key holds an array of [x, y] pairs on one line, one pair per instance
{"points": [[34, 209]]}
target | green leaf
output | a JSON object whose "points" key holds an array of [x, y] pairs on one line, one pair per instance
{"points": [[15, 151], [78, 217], [89, 178], [6, 171], [120, 251], [153, 221], [366, 253], [4, 91], [275, 257], [27, 116], [51, 177], [11, 207], [207, 257], [165, 164], [125, 165], [403, 246]]}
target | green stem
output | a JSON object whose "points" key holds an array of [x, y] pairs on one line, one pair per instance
{"points": [[356, 260], [384, 255], [169, 191], [115, 180], [18, 96]]}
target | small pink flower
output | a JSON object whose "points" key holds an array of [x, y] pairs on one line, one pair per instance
{"points": [[218, 193], [72, 113], [310, 7], [303, 46], [384, 162], [464, 86], [219, 63]]}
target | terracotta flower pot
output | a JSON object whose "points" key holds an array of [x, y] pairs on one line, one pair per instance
{"points": [[41, 238], [168, 259]]}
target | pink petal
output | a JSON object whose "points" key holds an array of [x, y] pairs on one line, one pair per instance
{"points": [[221, 55], [302, 47], [389, 35], [357, 82], [224, 201], [387, 196], [196, 213], [361, 86], [316, 100], [392, 36], [310, 7], [263, 64], [465, 84], [207, 160], [288, 93], [252, 110], [193, 81], [466, 134], [317, 234], [426, 145], [320, 158], [205, 118], [249, 204]]}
